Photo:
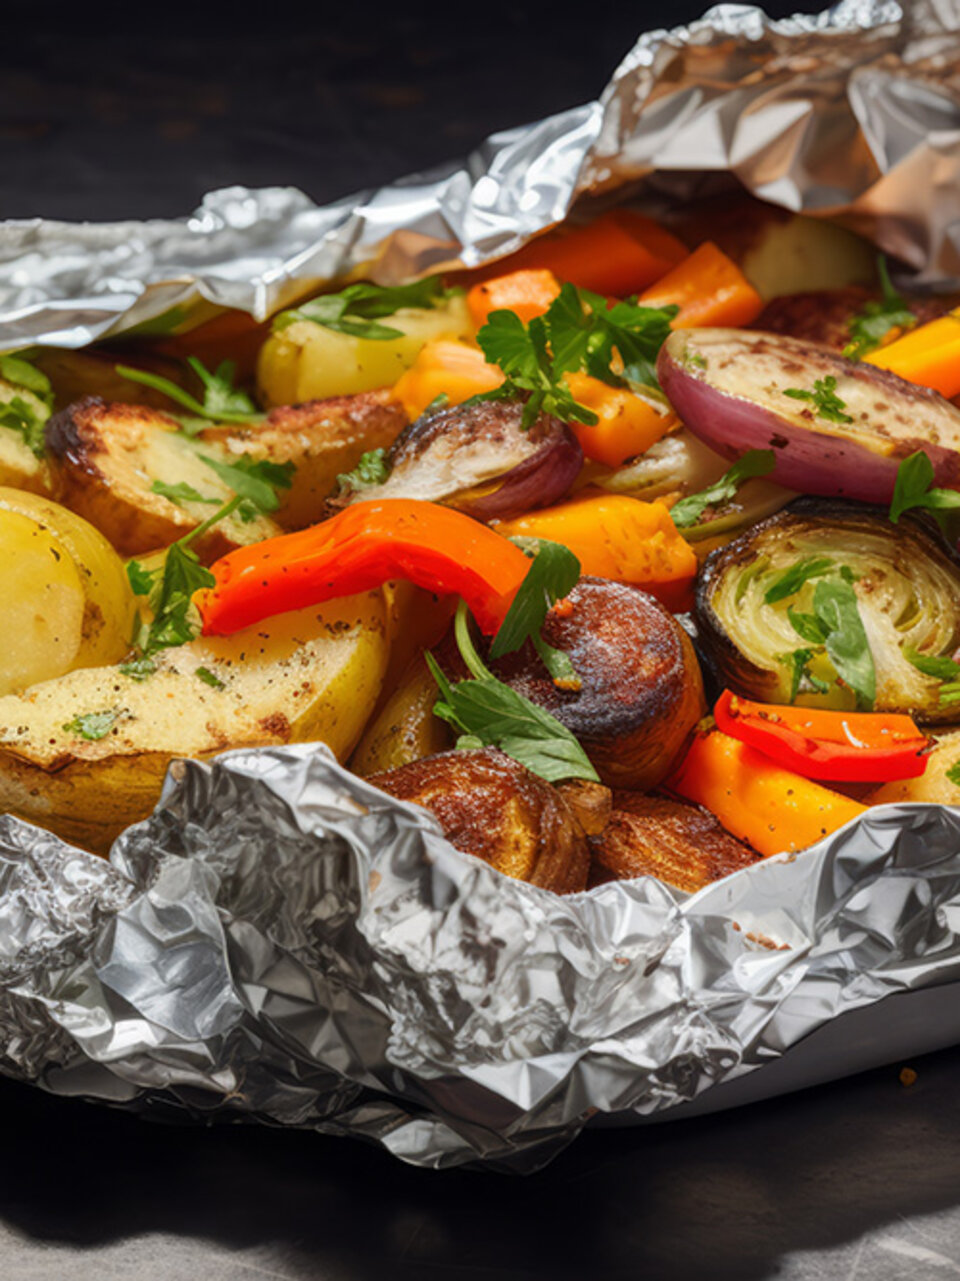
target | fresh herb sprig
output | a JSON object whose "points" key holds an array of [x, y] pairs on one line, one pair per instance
{"points": [[914, 488], [357, 309], [942, 668], [836, 626], [824, 398], [755, 462], [800, 675], [578, 333], [552, 576], [222, 401], [372, 469], [92, 726], [488, 713], [870, 326]]}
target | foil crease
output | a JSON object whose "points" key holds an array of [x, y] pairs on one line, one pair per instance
{"points": [[852, 114], [282, 943]]}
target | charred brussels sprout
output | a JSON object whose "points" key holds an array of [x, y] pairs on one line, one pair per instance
{"points": [[828, 604]]}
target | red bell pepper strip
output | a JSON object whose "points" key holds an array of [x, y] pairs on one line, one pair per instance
{"points": [[844, 747], [362, 547]]}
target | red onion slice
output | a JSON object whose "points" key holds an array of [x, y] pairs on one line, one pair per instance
{"points": [[728, 386]]}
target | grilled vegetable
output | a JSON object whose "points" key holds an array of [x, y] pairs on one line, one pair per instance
{"points": [[641, 692], [838, 429], [130, 470], [939, 783], [405, 729], [66, 600], [490, 806], [478, 459], [676, 842], [308, 361], [772, 637], [85, 755]]}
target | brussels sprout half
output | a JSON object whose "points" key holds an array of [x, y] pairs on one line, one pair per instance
{"points": [[757, 608]]}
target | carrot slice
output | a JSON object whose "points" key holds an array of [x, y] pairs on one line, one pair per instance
{"points": [[709, 288], [445, 368], [528, 293], [928, 355], [627, 424]]}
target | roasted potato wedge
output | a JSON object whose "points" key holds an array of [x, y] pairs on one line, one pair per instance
{"points": [[676, 842], [306, 361], [934, 784], [489, 805], [65, 593], [405, 729], [107, 457], [85, 755]]}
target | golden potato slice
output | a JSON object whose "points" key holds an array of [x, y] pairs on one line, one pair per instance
{"points": [[66, 599], [85, 755], [306, 361], [107, 457], [934, 784]]}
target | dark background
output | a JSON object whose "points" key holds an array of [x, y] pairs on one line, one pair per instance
{"points": [[108, 114]]}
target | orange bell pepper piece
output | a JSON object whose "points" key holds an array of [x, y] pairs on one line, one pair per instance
{"points": [[617, 537], [627, 424], [709, 288], [363, 547], [928, 355], [527, 293], [445, 368], [617, 254], [758, 801]]}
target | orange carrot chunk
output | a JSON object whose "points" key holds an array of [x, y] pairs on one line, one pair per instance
{"points": [[928, 355], [626, 425], [709, 288], [527, 293], [445, 368]]}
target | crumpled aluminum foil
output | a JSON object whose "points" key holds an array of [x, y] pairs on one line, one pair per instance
{"points": [[280, 941]]}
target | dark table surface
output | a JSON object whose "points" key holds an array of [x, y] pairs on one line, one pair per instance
{"points": [[104, 116]]}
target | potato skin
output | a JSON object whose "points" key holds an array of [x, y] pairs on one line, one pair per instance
{"points": [[305, 676], [405, 729], [490, 806], [642, 692]]}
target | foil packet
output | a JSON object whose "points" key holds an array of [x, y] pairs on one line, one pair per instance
{"points": [[280, 941]]}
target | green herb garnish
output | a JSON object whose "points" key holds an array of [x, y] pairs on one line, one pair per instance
{"points": [[180, 493], [953, 774], [755, 462], [552, 576], [256, 481], [356, 309], [20, 416], [222, 402], [939, 666], [913, 489], [488, 713], [824, 397], [836, 626], [92, 725], [20, 373], [372, 469], [209, 678], [869, 327], [799, 661], [791, 580], [138, 669]]}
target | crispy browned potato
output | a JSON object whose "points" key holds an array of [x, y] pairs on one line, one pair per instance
{"points": [[107, 457], [824, 315], [641, 692], [405, 729], [678, 843], [491, 806]]}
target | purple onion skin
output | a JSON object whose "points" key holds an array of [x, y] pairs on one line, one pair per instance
{"points": [[808, 459], [539, 481]]}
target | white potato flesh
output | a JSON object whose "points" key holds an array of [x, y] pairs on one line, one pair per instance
{"points": [[305, 361]]}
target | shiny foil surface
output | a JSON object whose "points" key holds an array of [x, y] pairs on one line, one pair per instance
{"points": [[281, 942]]}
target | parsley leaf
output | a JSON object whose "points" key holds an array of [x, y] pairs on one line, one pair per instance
{"points": [[356, 309], [20, 416], [522, 353], [209, 678], [913, 489], [553, 575], [791, 580], [140, 579], [939, 666], [755, 462], [372, 469], [92, 725], [798, 662], [953, 774], [488, 713], [222, 402], [836, 624], [181, 492], [807, 626], [256, 481], [824, 397], [869, 327]]}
